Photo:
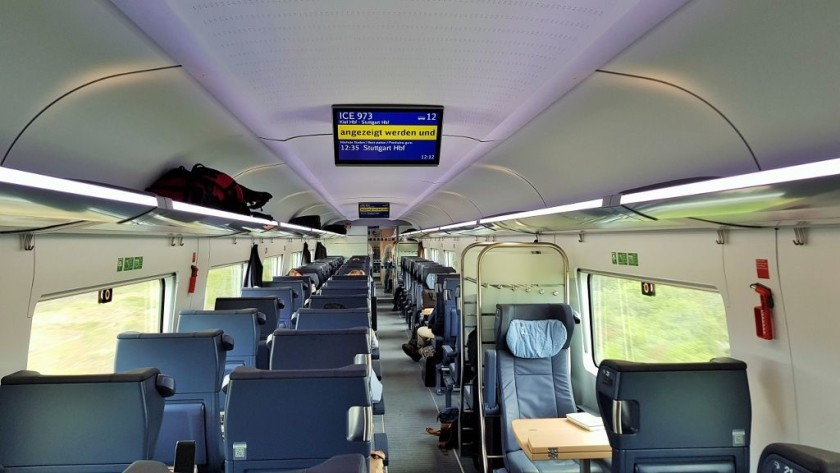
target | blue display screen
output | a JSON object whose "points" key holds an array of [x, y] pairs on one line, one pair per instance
{"points": [[374, 210], [387, 134]]}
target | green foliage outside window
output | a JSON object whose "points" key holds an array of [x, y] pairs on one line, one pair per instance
{"points": [[677, 324]]}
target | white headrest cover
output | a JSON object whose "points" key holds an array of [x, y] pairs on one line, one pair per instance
{"points": [[535, 338]]}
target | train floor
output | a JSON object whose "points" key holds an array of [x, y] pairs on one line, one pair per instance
{"points": [[410, 406]]}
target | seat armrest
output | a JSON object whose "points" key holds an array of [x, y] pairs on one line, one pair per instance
{"points": [[359, 424]]}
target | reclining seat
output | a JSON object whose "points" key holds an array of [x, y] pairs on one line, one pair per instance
{"points": [[196, 360], [323, 413], [532, 361], [96, 423], [243, 325]]}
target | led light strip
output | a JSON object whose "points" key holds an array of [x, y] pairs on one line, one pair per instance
{"points": [[55, 184], [589, 204]]}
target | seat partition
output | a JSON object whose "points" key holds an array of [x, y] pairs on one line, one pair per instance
{"points": [[196, 360], [80, 423]]}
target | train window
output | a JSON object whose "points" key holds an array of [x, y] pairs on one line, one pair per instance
{"points": [[77, 334], [297, 259], [272, 267], [646, 322], [224, 281], [449, 258]]}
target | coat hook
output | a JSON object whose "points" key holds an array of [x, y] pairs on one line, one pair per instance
{"points": [[234, 240], [721, 239], [580, 237], [180, 240], [27, 241], [801, 234]]}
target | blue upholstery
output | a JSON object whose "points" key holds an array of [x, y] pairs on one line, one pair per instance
{"points": [[305, 281], [80, 423], [284, 294], [299, 291], [243, 325], [266, 304], [535, 338], [532, 387], [196, 360], [146, 466], [349, 463], [342, 301], [676, 416], [323, 413], [317, 349], [317, 319]]}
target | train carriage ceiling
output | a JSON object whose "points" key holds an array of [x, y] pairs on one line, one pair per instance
{"points": [[546, 102]]}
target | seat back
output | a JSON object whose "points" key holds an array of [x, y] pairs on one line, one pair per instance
{"points": [[339, 301], [674, 416], [266, 304], [196, 361], [242, 324], [305, 281], [285, 298], [320, 319], [299, 292], [534, 378], [327, 290], [317, 349], [323, 413], [80, 423]]}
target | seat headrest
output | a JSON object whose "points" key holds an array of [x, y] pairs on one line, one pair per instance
{"points": [[506, 313], [535, 338]]}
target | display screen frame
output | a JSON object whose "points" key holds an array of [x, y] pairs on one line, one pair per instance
{"points": [[374, 210], [418, 149]]}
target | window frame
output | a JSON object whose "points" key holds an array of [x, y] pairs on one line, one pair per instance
{"points": [[165, 306], [584, 281]]}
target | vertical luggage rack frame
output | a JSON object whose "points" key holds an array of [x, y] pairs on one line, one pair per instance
{"points": [[472, 259]]}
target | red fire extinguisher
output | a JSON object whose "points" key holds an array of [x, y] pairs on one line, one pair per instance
{"points": [[764, 312], [193, 277]]}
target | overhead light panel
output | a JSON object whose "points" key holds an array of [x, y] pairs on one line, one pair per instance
{"points": [[197, 209], [292, 226], [589, 204], [457, 225], [762, 178], [39, 181]]}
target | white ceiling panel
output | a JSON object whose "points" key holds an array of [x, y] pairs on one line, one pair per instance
{"points": [[493, 65]]}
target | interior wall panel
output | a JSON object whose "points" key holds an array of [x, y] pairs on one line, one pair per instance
{"points": [[809, 286]]}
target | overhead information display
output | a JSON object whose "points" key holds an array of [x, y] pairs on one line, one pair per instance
{"points": [[374, 209], [387, 135]]}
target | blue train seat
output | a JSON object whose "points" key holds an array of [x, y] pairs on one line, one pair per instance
{"points": [[196, 361], [317, 319], [266, 304], [306, 282], [97, 423], [339, 301], [324, 413], [350, 463], [318, 349], [244, 325], [298, 287], [328, 290], [676, 416], [285, 297], [534, 379]]}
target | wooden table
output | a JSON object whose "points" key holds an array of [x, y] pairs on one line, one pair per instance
{"points": [[559, 439]]}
